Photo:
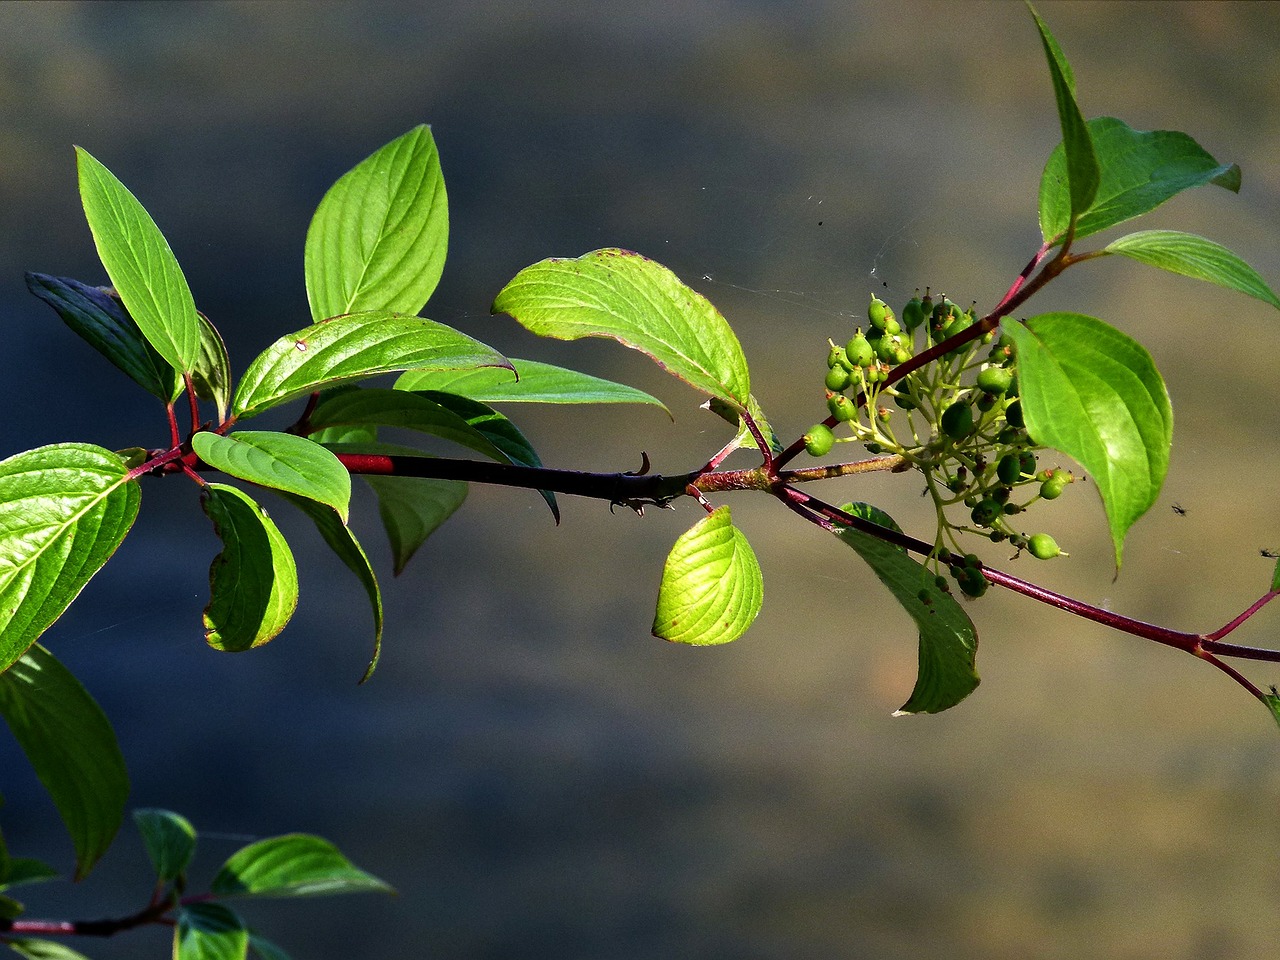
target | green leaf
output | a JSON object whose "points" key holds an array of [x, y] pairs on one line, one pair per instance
{"points": [[63, 511], [466, 422], [279, 461], [253, 582], [643, 305], [1095, 394], [1080, 166], [35, 949], [537, 383], [1196, 257], [264, 949], [98, 316], [1140, 171], [711, 584], [378, 238], [351, 348], [209, 931], [745, 438], [1272, 700], [170, 840], [948, 640], [140, 264], [26, 870], [1275, 578], [411, 508], [72, 748], [344, 543], [293, 865], [10, 909], [212, 375], [499, 431]]}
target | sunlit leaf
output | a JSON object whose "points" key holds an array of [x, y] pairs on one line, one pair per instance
{"points": [[629, 298], [98, 316], [1080, 161], [34, 949], [378, 238], [280, 461], [1272, 701], [1095, 394], [209, 931], [948, 641], [63, 511], [170, 840], [351, 348], [537, 383], [253, 582], [294, 865], [712, 588], [1196, 257], [72, 747], [1140, 171], [140, 264]]}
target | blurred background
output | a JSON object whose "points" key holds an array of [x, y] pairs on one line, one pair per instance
{"points": [[534, 773]]}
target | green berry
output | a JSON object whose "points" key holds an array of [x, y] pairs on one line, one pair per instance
{"points": [[876, 312], [957, 325], [1013, 414], [994, 380], [819, 440], [970, 579], [891, 325], [1027, 461], [957, 420], [913, 313], [838, 378], [1043, 547], [841, 407], [1009, 469], [859, 351], [905, 401], [1054, 484], [986, 512], [974, 584], [835, 357]]}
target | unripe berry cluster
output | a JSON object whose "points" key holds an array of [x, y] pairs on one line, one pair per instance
{"points": [[958, 421]]}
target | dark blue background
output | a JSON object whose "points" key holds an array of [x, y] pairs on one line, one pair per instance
{"points": [[534, 773]]}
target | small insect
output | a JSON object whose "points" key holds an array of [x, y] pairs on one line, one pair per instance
{"points": [[1270, 554], [1179, 509]]}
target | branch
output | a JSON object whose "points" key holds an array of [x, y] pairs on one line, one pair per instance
{"points": [[631, 489], [154, 913]]}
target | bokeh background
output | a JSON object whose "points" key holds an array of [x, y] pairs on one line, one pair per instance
{"points": [[535, 774]]}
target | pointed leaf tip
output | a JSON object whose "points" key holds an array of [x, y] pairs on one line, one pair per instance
{"points": [[142, 267]]}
